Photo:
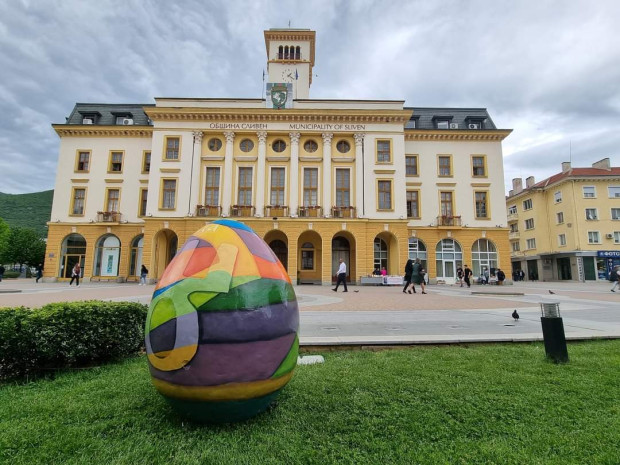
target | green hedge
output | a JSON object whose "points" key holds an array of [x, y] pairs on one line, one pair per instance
{"points": [[11, 274], [68, 334]]}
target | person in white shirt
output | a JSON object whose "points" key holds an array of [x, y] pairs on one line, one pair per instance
{"points": [[342, 276]]}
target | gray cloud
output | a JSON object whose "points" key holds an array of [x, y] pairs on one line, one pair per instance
{"points": [[550, 70]]}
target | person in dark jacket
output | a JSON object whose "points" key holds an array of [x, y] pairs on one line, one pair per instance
{"points": [[501, 276], [408, 272], [614, 277], [417, 275], [2, 270], [468, 274], [39, 272]]}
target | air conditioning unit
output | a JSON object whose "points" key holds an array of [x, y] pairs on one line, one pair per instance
{"points": [[127, 121], [473, 126], [454, 125], [87, 121], [609, 236]]}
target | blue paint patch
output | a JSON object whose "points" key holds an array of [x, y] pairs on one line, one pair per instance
{"points": [[234, 224]]}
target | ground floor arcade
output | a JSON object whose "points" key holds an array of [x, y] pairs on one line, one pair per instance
{"points": [[310, 251], [568, 266]]}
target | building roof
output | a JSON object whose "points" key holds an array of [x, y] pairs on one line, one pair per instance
{"points": [[105, 114], [425, 118]]}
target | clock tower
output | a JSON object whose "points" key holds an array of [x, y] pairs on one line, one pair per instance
{"points": [[290, 59]]}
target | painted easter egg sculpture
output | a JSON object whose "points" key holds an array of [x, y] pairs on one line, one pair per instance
{"points": [[221, 332]]}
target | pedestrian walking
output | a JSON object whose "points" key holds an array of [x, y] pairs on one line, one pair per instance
{"points": [[468, 273], [408, 272], [342, 276], [2, 270], [459, 276], [417, 275], [39, 272], [143, 274], [614, 277], [75, 274], [501, 276]]}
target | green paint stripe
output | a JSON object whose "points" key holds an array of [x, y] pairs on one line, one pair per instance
{"points": [[254, 294], [290, 361]]}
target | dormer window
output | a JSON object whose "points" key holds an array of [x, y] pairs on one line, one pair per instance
{"points": [[89, 118], [474, 123], [124, 119], [443, 122]]}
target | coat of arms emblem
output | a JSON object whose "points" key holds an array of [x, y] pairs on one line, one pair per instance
{"points": [[279, 95]]}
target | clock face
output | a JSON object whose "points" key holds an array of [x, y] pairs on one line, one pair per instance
{"points": [[288, 75]]}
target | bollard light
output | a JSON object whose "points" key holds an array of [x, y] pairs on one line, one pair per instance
{"points": [[553, 332]]}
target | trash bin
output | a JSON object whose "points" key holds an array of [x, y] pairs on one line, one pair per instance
{"points": [[553, 332]]}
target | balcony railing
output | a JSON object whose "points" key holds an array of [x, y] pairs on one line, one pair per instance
{"points": [[310, 212], [445, 220], [275, 211], [108, 217], [343, 212], [513, 235], [242, 210], [208, 210]]}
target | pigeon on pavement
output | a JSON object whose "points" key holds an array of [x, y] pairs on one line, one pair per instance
{"points": [[515, 315], [551, 292]]}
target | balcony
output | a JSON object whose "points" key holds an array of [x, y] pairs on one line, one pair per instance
{"points": [[274, 211], [242, 210], [310, 212], [446, 220], [108, 217], [513, 217], [513, 235], [343, 212], [208, 210]]}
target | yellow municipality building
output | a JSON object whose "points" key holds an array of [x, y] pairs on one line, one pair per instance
{"points": [[371, 181]]}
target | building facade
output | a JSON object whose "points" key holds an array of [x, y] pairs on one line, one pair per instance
{"points": [[372, 182], [566, 227]]}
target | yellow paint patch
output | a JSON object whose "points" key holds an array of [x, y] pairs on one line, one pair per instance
{"points": [[173, 359]]}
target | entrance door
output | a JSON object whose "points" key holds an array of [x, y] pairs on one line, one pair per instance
{"points": [[449, 269], [564, 269], [69, 263], [340, 249], [281, 251], [589, 268]]}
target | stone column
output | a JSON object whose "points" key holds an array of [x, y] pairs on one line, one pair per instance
{"points": [[228, 174], [359, 174], [293, 184], [327, 173], [194, 193], [260, 173]]}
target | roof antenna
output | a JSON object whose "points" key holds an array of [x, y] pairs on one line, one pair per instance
{"points": [[289, 23]]}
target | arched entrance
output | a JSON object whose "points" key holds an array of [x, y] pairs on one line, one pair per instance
{"points": [[343, 246], [417, 249], [385, 253], [73, 250], [278, 242], [165, 248], [483, 255], [135, 259], [309, 258], [107, 254], [448, 256]]}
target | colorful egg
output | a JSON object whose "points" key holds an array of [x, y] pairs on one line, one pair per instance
{"points": [[221, 332]]}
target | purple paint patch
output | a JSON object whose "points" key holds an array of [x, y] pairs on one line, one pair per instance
{"points": [[193, 243], [216, 364], [257, 246]]}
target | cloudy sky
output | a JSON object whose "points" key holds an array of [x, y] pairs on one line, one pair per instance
{"points": [[549, 70]]}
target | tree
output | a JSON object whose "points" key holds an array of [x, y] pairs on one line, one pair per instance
{"points": [[4, 237], [24, 247]]}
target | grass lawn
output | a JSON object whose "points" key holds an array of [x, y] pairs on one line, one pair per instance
{"points": [[476, 404]]}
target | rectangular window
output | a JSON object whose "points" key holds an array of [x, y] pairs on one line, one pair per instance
{"points": [[385, 195], [615, 213], [562, 240], [591, 214], [560, 217], [83, 161], [116, 162], [172, 148], [482, 207], [589, 191], [446, 203], [443, 124], [112, 200], [343, 187], [594, 237], [245, 186], [212, 187], [527, 204], [384, 154], [169, 194], [616, 237], [413, 207], [277, 186], [411, 165], [515, 247], [514, 227], [614, 191], [79, 198], [445, 166], [307, 260], [478, 166], [512, 210], [143, 196], [146, 162], [311, 187], [557, 196], [531, 244], [529, 223]]}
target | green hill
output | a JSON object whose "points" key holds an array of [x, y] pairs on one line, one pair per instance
{"points": [[27, 210]]}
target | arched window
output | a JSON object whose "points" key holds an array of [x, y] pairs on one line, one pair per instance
{"points": [[448, 257], [107, 253], [73, 251], [286, 52], [380, 253], [298, 52], [135, 261], [280, 52], [483, 255], [417, 249]]}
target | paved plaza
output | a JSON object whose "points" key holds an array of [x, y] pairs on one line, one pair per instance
{"points": [[384, 315]]}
